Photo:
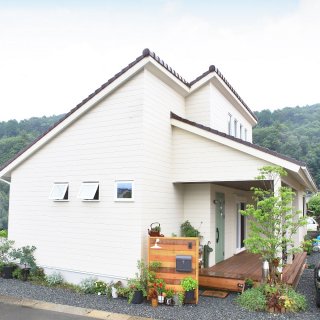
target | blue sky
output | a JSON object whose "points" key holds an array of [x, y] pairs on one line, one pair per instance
{"points": [[54, 53]]}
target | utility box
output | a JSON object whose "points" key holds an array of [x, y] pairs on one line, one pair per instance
{"points": [[184, 263]]}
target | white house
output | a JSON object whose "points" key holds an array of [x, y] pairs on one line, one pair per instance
{"points": [[147, 146]]}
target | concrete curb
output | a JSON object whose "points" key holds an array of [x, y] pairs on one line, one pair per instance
{"points": [[95, 314]]}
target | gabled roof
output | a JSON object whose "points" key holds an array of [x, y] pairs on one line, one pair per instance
{"points": [[145, 54], [294, 165]]}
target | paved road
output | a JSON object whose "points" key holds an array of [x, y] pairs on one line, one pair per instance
{"points": [[15, 312]]}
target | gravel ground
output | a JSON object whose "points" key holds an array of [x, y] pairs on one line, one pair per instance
{"points": [[207, 308]]}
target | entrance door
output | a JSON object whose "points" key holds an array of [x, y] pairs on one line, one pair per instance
{"points": [[219, 247]]}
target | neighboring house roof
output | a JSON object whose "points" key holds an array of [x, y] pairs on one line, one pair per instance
{"points": [[145, 54], [296, 166]]}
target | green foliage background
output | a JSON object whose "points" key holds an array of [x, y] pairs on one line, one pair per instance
{"points": [[14, 136], [294, 132]]}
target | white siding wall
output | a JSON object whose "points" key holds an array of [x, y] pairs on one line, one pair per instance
{"points": [[198, 106], [220, 108], [96, 237], [200, 210], [199, 159], [162, 200]]}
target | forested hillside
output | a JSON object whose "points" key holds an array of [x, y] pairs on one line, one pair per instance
{"points": [[294, 132], [291, 131], [14, 136]]}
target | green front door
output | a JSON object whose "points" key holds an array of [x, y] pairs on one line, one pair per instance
{"points": [[219, 201]]}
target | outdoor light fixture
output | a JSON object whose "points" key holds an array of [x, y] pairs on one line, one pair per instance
{"points": [[156, 246]]}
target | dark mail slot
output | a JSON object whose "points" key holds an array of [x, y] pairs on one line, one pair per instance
{"points": [[184, 263]]}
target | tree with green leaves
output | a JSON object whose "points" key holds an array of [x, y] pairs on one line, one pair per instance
{"points": [[273, 221], [314, 204]]}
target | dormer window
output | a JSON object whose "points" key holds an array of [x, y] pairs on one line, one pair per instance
{"points": [[230, 124], [235, 128]]}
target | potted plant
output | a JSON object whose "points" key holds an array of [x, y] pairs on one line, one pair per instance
{"points": [[7, 267], [153, 296], [160, 286], [154, 230], [189, 285], [169, 297], [136, 291], [248, 284], [25, 258]]}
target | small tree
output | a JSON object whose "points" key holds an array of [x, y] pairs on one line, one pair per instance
{"points": [[314, 204], [274, 221]]}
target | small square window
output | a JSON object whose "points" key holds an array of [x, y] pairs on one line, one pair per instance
{"points": [[124, 190], [89, 191], [59, 191]]}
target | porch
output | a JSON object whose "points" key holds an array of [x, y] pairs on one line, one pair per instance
{"points": [[230, 274]]}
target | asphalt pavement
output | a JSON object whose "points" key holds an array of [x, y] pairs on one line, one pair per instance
{"points": [[18, 312]]}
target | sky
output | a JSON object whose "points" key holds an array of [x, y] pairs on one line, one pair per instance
{"points": [[53, 54]]}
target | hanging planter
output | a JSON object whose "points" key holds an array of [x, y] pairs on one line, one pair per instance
{"points": [[154, 230]]}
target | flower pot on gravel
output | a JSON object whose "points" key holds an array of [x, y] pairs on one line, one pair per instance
{"points": [[189, 296], [161, 299], [154, 302], [137, 297], [7, 271], [25, 272]]}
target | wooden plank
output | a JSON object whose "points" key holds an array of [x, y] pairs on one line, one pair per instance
{"points": [[170, 247], [221, 283]]}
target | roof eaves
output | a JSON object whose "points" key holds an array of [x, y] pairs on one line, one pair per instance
{"points": [[246, 143], [213, 69]]}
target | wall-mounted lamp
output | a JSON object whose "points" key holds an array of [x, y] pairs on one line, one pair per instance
{"points": [[156, 246]]}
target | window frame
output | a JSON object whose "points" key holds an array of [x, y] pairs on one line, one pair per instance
{"points": [[235, 127], [230, 124], [65, 193], [116, 182], [97, 190]]}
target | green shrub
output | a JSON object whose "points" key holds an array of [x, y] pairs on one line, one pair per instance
{"points": [[314, 204], [299, 302], [87, 285], [187, 230], [17, 274], [54, 279], [100, 288], [253, 299], [3, 233]]}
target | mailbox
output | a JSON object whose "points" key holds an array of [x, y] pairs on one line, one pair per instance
{"points": [[184, 263]]}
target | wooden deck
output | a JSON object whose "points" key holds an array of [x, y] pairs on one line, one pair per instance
{"points": [[231, 273]]}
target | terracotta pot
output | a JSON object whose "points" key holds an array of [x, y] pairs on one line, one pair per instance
{"points": [[154, 302]]}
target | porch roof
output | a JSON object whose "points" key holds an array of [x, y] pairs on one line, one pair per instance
{"points": [[202, 154]]}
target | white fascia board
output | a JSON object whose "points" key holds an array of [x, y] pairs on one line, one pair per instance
{"points": [[312, 185], [236, 145], [74, 116], [163, 74], [214, 75]]}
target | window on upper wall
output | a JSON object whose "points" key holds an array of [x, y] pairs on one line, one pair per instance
{"points": [[89, 191], [235, 131], [241, 131], [59, 191], [245, 134], [124, 190], [229, 124]]}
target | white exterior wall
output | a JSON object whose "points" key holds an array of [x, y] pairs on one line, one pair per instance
{"points": [[200, 210], [85, 237], [198, 106], [219, 118], [199, 159], [162, 200]]}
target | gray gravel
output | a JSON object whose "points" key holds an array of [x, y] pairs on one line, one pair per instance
{"points": [[207, 308]]}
